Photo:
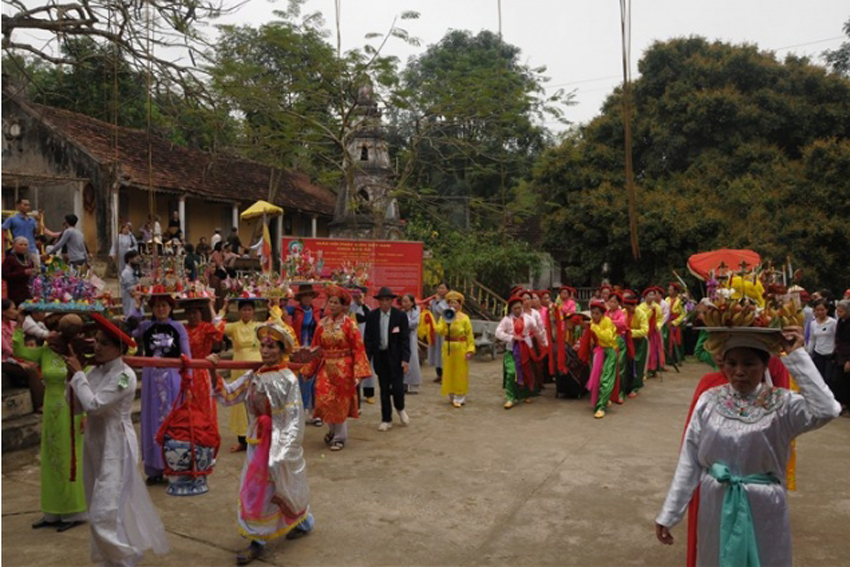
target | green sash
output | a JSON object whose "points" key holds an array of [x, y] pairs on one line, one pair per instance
{"points": [[738, 545]]}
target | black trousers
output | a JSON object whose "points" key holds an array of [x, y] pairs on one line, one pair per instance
{"points": [[826, 367], [833, 375], [392, 386]]}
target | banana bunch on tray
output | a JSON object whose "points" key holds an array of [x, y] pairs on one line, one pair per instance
{"points": [[744, 312], [787, 314], [725, 312], [727, 317]]}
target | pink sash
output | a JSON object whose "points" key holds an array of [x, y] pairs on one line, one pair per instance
{"points": [[253, 491], [596, 374]]}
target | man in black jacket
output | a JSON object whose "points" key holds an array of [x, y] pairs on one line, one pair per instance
{"points": [[360, 312], [387, 341]]}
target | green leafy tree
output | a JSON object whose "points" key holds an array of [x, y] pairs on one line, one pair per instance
{"points": [[725, 142], [103, 85], [485, 255], [482, 109], [283, 79], [839, 59], [296, 92], [100, 84]]}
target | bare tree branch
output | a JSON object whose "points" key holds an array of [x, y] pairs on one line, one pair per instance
{"points": [[143, 32]]}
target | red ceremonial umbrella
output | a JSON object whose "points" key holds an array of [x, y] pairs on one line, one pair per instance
{"points": [[724, 259]]}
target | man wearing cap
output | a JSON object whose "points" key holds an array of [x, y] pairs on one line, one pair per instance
{"points": [[387, 341]]}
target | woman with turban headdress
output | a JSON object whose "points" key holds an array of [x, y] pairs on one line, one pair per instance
{"points": [[342, 365]]}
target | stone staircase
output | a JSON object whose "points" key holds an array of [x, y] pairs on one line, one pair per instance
{"points": [[21, 427], [481, 302]]}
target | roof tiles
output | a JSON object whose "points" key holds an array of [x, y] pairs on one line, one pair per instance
{"points": [[182, 170]]}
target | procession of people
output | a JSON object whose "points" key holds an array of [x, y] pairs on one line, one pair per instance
{"points": [[315, 349]]}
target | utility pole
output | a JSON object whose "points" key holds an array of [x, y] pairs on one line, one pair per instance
{"points": [[626, 37]]}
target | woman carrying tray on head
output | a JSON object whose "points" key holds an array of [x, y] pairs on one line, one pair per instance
{"points": [[737, 445], [243, 335], [204, 334], [161, 336]]}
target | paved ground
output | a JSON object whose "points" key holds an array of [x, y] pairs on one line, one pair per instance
{"points": [[541, 484]]}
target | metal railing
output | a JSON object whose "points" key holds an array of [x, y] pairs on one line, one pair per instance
{"points": [[487, 301]]}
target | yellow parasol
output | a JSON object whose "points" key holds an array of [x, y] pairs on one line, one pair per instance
{"points": [[261, 209]]}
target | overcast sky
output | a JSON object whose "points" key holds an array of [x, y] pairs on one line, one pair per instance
{"points": [[579, 40]]}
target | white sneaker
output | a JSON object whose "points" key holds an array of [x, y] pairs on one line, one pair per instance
{"points": [[405, 419], [385, 426]]}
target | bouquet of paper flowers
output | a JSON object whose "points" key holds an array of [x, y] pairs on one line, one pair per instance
{"points": [[273, 286], [260, 286], [197, 290], [300, 264], [60, 288], [352, 274], [162, 274], [237, 287]]}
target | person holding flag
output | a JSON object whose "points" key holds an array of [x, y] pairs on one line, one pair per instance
{"points": [[263, 248]]}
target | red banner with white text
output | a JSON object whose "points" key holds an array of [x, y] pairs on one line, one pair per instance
{"points": [[396, 264]]}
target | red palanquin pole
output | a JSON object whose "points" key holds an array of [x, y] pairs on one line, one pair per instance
{"points": [[156, 362], [184, 364]]}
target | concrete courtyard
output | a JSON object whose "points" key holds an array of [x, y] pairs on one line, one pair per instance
{"points": [[541, 484]]}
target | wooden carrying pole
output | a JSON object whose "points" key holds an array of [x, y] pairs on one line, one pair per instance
{"points": [[156, 362]]}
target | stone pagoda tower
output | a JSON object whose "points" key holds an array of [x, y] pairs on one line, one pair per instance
{"points": [[364, 207]]}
